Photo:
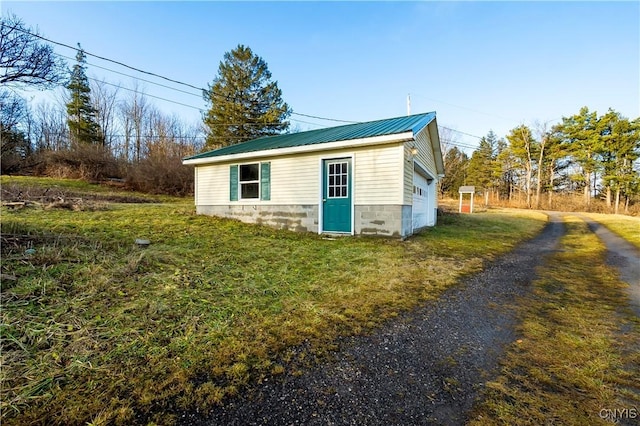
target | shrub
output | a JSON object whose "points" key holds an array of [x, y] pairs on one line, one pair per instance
{"points": [[161, 174], [89, 162]]}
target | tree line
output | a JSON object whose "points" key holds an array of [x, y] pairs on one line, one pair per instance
{"points": [[97, 130], [595, 156]]}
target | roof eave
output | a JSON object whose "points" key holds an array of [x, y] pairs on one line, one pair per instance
{"points": [[437, 149], [326, 146]]}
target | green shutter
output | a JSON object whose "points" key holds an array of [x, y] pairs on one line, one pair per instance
{"points": [[233, 183], [265, 181]]}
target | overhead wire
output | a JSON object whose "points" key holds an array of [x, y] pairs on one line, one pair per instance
{"points": [[145, 94], [134, 77], [458, 131], [463, 107], [155, 74], [200, 88], [106, 59], [324, 118]]}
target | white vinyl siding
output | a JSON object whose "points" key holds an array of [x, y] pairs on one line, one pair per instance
{"points": [[424, 157], [408, 175], [212, 185], [376, 175], [295, 178], [425, 151]]}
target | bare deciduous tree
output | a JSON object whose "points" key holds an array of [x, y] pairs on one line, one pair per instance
{"points": [[105, 100], [523, 147], [134, 111], [543, 136], [25, 59], [50, 127]]}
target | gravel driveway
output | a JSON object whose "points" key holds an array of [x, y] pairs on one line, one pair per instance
{"points": [[426, 366]]}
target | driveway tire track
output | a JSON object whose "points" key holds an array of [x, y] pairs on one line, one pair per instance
{"points": [[426, 366], [624, 256]]}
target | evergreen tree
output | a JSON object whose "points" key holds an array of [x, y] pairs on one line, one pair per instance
{"points": [[621, 148], [455, 170], [481, 165], [81, 116], [502, 171], [555, 160], [582, 141], [245, 103]]}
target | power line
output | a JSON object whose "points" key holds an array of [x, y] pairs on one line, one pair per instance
{"points": [[107, 59], [145, 94], [194, 87], [324, 118], [171, 80], [134, 136], [467, 108], [307, 122], [131, 76], [158, 75], [458, 144], [202, 110], [458, 131], [199, 109]]}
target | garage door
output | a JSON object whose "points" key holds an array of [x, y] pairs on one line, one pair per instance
{"points": [[420, 201]]}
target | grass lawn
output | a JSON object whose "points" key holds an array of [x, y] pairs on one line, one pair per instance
{"points": [[95, 329], [627, 227], [578, 360], [46, 182]]}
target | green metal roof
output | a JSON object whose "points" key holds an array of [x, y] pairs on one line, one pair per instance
{"points": [[369, 129]]}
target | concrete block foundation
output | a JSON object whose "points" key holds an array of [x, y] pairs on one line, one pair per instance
{"points": [[381, 220]]}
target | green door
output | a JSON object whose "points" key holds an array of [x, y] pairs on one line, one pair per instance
{"points": [[336, 195]]}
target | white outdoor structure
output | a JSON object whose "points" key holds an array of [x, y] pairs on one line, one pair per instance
{"points": [[466, 190], [373, 178]]}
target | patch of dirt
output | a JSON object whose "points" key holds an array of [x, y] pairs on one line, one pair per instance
{"points": [[426, 366]]}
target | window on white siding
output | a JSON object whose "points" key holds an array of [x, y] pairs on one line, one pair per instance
{"points": [[250, 181], [338, 176]]}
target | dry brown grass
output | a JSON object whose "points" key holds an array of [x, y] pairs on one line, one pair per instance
{"points": [[560, 202]]}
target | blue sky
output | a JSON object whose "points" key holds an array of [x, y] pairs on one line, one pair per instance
{"points": [[480, 65]]}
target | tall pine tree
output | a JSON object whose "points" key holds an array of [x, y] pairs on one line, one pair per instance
{"points": [[245, 103], [621, 149], [581, 137], [482, 164], [455, 171], [81, 116]]}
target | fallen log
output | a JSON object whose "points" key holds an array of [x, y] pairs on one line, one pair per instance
{"points": [[14, 204]]}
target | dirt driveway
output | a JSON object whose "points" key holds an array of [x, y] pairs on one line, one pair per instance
{"points": [[424, 367], [623, 255]]}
